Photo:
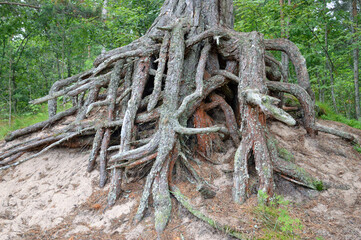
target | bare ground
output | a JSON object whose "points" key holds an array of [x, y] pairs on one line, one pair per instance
{"points": [[53, 197]]}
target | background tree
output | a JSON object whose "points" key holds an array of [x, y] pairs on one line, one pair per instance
{"points": [[355, 42]]}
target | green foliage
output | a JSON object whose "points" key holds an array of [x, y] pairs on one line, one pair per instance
{"points": [[126, 21], [37, 113], [291, 100], [357, 148], [21, 121], [275, 218], [306, 21], [64, 37], [319, 185], [61, 39], [326, 113], [286, 155]]}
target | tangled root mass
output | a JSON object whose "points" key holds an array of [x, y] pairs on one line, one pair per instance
{"points": [[155, 98]]}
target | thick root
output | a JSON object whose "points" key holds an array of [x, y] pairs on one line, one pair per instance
{"points": [[40, 126], [296, 58], [344, 135], [161, 197], [185, 203], [253, 122]]}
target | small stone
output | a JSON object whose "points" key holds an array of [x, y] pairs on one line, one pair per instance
{"points": [[206, 191]]}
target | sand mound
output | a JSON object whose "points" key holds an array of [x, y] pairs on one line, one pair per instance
{"points": [[53, 197]]}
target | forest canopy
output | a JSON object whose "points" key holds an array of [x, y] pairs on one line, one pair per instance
{"points": [[57, 39]]}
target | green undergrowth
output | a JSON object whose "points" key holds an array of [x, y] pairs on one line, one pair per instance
{"points": [[275, 218], [285, 154], [325, 112], [39, 114], [357, 148], [319, 185], [23, 120], [291, 100]]}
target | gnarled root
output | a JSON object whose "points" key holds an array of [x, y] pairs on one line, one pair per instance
{"points": [[185, 203]]}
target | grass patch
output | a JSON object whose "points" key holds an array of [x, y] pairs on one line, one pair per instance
{"points": [[325, 112], [21, 121], [39, 114], [357, 148], [286, 155], [319, 185], [275, 218], [291, 100]]}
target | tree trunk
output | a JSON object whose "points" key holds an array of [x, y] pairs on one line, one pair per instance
{"points": [[284, 34], [329, 68], [10, 90], [354, 26], [252, 76]]}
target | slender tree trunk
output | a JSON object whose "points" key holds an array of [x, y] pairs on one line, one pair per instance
{"points": [[285, 33], [320, 89], [14, 87], [58, 64], [105, 10], [329, 67], [69, 62], [104, 17], [354, 26], [10, 89], [62, 54]]}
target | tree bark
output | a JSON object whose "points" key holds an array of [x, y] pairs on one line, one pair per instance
{"points": [[252, 76], [329, 68], [10, 102], [284, 34], [354, 27]]}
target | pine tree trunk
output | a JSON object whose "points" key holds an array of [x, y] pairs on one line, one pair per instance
{"points": [[329, 68], [354, 26]]}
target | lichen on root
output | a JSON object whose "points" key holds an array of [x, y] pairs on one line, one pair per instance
{"points": [[189, 63]]}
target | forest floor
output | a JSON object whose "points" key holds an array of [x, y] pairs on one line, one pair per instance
{"points": [[53, 197]]}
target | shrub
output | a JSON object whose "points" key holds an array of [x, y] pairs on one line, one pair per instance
{"points": [[275, 218]]}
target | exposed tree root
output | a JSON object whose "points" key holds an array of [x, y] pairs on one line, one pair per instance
{"points": [[291, 171], [12, 158], [154, 89], [40, 126], [56, 141], [344, 135], [185, 203]]}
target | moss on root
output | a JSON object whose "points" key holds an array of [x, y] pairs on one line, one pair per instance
{"points": [[183, 200]]}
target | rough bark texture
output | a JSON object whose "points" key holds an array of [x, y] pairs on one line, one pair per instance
{"points": [[355, 59], [188, 64], [330, 69], [252, 75], [296, 58]]}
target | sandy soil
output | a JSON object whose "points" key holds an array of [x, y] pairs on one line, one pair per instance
{"points": [[53, 197]]}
